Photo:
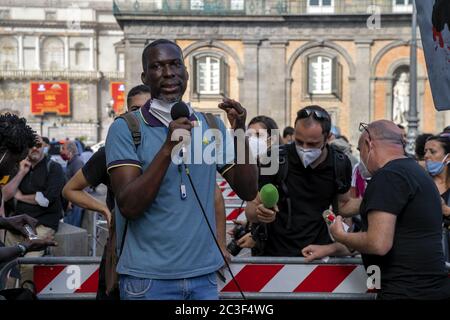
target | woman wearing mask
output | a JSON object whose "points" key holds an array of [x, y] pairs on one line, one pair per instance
{"points": [[437, 160], [260, 130]]}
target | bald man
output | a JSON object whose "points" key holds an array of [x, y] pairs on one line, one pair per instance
{"points": [[401, 216]]}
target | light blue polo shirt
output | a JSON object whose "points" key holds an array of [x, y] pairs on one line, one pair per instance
{"points": [[171, 240]]}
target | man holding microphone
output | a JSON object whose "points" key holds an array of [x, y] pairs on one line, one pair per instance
{"points": [[168, 251]]}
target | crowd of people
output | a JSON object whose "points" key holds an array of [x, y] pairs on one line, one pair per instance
{"points": [[167, 218]]}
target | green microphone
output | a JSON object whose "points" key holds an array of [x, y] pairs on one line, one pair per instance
{"points": [[269, 195]]}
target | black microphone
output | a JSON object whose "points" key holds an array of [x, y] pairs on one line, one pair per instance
{"points": [[179, 110]]}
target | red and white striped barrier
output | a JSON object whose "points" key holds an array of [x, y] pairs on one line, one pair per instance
{"points": [[235, 213], [296, 278], [66, 279], [268, 278]]}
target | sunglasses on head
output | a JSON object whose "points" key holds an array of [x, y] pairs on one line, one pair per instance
{"points": [[317, 114]]}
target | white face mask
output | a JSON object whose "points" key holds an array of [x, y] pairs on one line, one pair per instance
{"points": [[308, 156], [365, 173], [161, 110], [258, 146]]}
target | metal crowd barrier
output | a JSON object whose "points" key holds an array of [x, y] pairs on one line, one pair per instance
{"points": [[259, 278]]}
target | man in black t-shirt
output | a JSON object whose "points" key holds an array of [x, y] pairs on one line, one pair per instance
{"points": [[401, 219], [37, 188], [16, 137], [311, 189]]}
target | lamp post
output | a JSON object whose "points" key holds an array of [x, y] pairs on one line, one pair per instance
{"points": [[413, 119]]}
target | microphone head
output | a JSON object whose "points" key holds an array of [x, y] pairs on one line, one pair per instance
{"points": [[269, 195], [179, 110]]}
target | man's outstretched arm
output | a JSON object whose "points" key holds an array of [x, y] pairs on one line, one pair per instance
{"points": [[243, 175]]}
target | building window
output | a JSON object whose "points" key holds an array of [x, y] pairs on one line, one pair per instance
{"points": [[8, 53], [5, 14], [320, 69], [208, 75], [197, 5], [211, 75], [52, 54], [324, 76], [320, 6], [237, 5], [50, 15], [402, 6], [79, 47], [121, 62], [156, 4]]}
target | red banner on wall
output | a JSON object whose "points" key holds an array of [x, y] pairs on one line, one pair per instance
{"points": [[118, 96], [50, 97]]}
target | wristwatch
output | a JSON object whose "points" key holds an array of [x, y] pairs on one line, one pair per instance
{"points": [[23, 250]]}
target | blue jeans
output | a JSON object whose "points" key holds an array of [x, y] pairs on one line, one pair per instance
{"points": [[197, 288]]}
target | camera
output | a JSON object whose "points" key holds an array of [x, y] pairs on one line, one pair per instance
{"points": [[30, 233], [238, 232]]}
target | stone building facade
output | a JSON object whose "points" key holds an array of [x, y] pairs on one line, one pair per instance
{"points": [[59, 40], [276, 56]]}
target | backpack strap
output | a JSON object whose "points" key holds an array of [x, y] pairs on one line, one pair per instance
{"points": [[281, 180], [134, 126], [340, 178], [211, 120]]}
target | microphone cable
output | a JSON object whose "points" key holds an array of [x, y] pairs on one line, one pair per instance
{"points": [[212, 232]]}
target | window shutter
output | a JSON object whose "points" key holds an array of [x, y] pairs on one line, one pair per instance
{"points": [[336, 78], [224, 77], [195, 80], [306, 77]]}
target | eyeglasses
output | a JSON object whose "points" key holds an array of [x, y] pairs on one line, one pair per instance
{"points": [[317, 114], [364, 127]]}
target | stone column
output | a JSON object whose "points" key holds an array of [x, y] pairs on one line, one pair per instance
{"points": [[38, 52], [66, 53], [250, 83], [91, 53], [20, 39], [133, 61], [272, 79], [360, 89]]}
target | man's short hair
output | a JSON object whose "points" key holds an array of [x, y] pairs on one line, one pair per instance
{"points": [[317, 114], [15, 135], [45, 139], [72, 147], [142, 88], [153, 45], [288, 131]]}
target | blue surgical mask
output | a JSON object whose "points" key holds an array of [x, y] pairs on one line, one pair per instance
{"points": [[45, 150], [435, 168]]}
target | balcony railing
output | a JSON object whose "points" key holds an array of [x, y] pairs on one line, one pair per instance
{"points": [[258, 7], [66, 75]]}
